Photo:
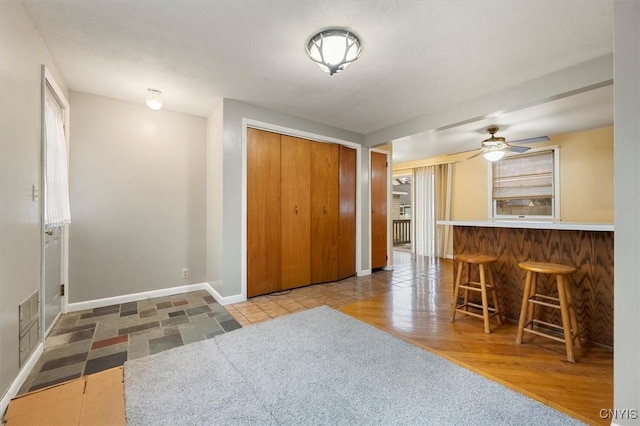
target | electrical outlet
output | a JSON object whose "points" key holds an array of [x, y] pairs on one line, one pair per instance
{"points": [[185, 273]]}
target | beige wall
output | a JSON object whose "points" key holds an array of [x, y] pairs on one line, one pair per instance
{"points": [[22, 54], [138, 198], [586, 178]]}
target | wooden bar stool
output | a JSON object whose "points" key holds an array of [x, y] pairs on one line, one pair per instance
{"points": [[485, 284], [564, 302]]}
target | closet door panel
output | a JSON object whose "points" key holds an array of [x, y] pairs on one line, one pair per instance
{"points": [[347, 211], [378, 210], [324, 212], [295, 229], [263, 212]]}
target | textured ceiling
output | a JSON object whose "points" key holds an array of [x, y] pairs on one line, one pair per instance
{"points": [[418, 57]]}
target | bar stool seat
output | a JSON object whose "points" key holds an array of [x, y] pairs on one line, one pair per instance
{"points": [[485, 285], [564, 302]]}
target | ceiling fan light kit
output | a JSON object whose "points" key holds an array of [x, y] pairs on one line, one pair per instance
{"points": [[495, 147], [334, 49], [494, 155]]}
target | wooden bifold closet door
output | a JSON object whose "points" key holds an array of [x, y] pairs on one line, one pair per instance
{"points": [[295, 228], [263, 205], [347, 214], [301, 198], [324, 212]]}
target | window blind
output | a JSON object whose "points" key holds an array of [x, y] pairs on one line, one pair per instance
{"points": [[524, 176]]}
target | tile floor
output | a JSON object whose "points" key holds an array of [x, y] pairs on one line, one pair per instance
{"points": [[86, 342], [408, 270]]}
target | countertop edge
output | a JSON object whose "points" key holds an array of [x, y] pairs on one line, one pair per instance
{"points": [[568, 226]]}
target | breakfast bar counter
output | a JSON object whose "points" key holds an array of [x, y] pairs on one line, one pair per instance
{"points": [[586, 246]]}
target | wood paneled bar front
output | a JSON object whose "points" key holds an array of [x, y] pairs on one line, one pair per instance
{"points": [[586, 246]]}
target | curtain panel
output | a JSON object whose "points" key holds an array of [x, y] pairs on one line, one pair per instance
{"points": [[443, 178], [424, 212], [56, 183]]}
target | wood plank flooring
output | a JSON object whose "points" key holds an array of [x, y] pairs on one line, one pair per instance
{"points": [[413, 302]]}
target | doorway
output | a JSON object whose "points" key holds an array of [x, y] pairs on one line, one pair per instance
{"points": [[55, 210]]}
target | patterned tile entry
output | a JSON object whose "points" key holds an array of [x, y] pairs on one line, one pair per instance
{"points": [[86, 342]]}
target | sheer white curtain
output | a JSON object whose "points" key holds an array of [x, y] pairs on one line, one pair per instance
{"points": [[56, 182], [424, 211]]}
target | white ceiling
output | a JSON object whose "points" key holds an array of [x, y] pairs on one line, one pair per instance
{"points": [[418, 57]]}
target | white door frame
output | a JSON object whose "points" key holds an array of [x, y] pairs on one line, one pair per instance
{"points": [[47, 79]]}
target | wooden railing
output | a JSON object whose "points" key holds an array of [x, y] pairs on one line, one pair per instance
{"points": [[401, 231]]}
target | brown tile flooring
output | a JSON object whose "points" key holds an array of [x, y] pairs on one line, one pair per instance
{"points": [[86, 342]]}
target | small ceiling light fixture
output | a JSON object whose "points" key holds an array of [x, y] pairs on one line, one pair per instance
{"points": [[334, 49], [493, 155], [153, 99]]}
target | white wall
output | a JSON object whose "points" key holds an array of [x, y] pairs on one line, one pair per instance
{"points": [[234, 112], [626, 379], [214, 197], [21, 55], [138, 200]]}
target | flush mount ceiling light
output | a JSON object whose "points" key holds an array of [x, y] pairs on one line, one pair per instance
{"points": [[153, 99], [334, 49]]}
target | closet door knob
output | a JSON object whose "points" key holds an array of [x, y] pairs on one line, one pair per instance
{"points": [[296, 209], [324, 210]]}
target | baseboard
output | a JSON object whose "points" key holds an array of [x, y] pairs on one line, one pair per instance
{"points": [[388, 268], [20, 379], [364, 273], [227, 300], [134, 297]]}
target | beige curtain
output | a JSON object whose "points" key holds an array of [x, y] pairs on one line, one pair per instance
{"points": [[423, 217], [443, 177]]}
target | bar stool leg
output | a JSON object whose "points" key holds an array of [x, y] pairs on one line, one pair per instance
{"points": [[465, 299], [532, 292], [494, 293], [524, 308], [566, 322], [456, 290], [485, 302], [573, 317]]}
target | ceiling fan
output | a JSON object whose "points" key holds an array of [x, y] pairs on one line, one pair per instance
{"points": [[494, 147]]}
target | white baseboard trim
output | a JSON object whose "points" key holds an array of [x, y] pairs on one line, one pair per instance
{"points": [[388, 268], [134, 297], [363, 273], [449, 256], [227, 300], [20, 379]]}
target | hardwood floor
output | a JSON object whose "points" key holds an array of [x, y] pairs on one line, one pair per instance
{"points": [[413, 302]]}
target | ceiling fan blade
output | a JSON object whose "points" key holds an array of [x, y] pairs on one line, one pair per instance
{"points": [[475, 155], [514, 148], [532, 140]]}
